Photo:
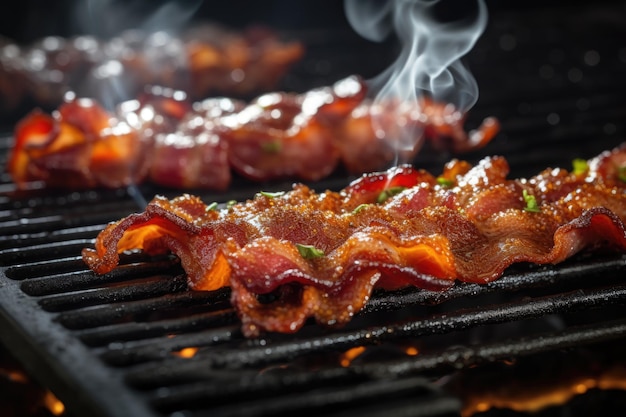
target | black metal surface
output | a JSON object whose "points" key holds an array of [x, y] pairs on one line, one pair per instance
{"points": [[109, 345]]}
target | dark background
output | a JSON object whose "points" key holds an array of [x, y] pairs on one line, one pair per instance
{"points": [[33, 19]]}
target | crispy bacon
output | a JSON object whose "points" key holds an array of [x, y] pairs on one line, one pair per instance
{"points": [[203, 60], [164, 138], [301, 254], [78, 147]]}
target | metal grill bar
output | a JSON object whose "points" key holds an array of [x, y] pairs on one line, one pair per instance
{"points": [[577, 273], [233, 357], [46, 268], [47, 236], [357, 396], [469, 356], [146, 288], [123, 332], [43, 252], [58, 221], [183, 302], [254, 384], [80, 280]]}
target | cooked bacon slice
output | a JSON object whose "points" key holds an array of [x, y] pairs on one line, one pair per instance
{"points": [[203, 60], [79, 146], [301, 254], [288, 135], [439, 123], [183, 149], [241, 63], [164, 138]]}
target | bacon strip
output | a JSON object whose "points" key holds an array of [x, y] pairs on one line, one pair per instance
{"points": [[203, 60], [164, 138], [403, 227]]}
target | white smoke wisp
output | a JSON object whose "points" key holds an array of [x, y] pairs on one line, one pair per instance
{"points": [[125, 30], [107, 18], [429, 64]]}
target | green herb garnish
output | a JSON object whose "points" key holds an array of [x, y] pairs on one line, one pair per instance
{"points": [[580, 166], [270, 194], [230, 203], [309, 251], [212, 206], [359, 208], [271, 147], [388, 193], [621, 173], [444, 182], [531, 202]]}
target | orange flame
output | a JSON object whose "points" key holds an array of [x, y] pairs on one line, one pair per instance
{"points": [[351, 354], [15, 376], [53, 404], [348, 356], [533, 400], [188, 352], [411, 351]]}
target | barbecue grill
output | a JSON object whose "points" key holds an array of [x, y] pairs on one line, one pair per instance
{"points": [[136, 342]]}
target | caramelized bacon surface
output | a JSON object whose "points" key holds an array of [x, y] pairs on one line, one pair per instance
{"points": [[166, 139], [320, 255]]}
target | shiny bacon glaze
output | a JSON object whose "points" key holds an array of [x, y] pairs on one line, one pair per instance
{"points": [[164, 138], [386, 230]]}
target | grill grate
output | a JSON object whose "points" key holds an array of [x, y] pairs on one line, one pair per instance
{"points": [[136, 342]]}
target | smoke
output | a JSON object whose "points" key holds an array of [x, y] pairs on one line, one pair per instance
{"points": [[107, 18], [131, 42], [434, 35]]}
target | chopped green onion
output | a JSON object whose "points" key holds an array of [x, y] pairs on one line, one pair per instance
{"points": [[359, 208], [621, 173], [309, 251], [580, 166], [444, 182], [271, 147], [388, 193], [212, 206], [270, 194], [230, 203], [531, 202]]}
